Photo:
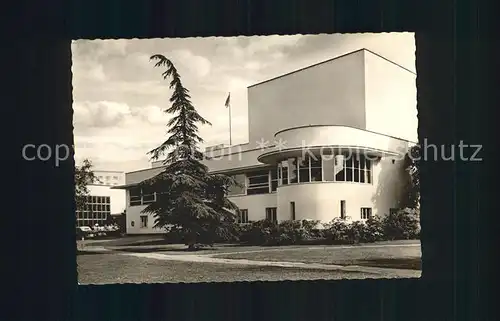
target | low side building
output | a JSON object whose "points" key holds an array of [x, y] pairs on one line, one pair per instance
{"points": [[102, 200]]}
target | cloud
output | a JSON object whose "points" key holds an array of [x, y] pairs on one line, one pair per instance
{"points": [[197, 65], [274, 43], [119, 96], [100, 49], [99, 114]]}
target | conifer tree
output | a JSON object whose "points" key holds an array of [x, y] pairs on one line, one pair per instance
{"points": [[190, 201], [84, 176]]}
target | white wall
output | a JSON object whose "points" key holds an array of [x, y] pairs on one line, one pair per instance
{"points": [[134, 214], [340, 136], [329, 93], [321, 200], [117, 197], [391, 98], [233, 159], [255, 204]]}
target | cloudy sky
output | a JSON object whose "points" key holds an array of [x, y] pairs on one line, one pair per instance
{"points": [[119, 96]]}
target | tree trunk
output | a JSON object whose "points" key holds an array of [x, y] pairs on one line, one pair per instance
{"points": [[191, 242]]}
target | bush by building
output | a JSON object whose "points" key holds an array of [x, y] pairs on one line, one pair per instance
{"points": [[398, 225]]}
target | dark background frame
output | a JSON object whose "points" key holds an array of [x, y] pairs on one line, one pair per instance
{"points": [[452, 73]]}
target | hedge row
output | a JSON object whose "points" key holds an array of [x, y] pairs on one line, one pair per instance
{"points": [[402, 224]]}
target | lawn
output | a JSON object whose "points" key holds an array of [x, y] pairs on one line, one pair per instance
{"points": [[399, 257], [117, 268]]}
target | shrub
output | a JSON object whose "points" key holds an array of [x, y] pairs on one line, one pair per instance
{"points": [[355, 232], [335, 232], [311, 229], [403, 224], [289, 232], [374, 230], [261, 232]]}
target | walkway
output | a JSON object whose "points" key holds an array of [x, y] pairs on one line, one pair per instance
{"points": [[385, 272]]}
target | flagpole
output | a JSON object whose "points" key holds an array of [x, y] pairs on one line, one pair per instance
{"points": [[230, 138]]}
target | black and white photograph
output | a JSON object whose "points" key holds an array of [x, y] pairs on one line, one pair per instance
{"points": [[263, 158]]}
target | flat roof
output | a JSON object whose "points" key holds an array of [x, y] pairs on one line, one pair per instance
{"points": [[331, 59]]}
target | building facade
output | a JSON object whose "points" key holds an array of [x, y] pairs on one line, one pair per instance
{"points": [[102, 200], [325, 141]]}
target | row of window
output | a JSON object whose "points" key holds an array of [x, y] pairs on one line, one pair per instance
{"points": [[242, 216], [141, 196], [97, 199], [96, 207], [294, 170], [95, 211], [356, 168], [306, 169], [271, 213], [92, 215], [107, 177]]}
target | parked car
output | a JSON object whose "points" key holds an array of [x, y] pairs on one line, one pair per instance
{"points": [[84, 232]]}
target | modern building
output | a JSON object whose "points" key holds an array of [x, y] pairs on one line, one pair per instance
{"points": [[325, 141], [103, 201]]}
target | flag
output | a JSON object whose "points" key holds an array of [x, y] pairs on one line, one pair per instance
{"points": [[228, 100]]}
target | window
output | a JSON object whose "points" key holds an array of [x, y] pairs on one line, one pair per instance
{"points": [[349, 169], [135, 196], [132, 223], [367, 171], [258, 182], [292, 171], [292, 211], [239, 187], [316, 169], [243, 216], [366, 213], [274, 179], [143, 196], [328, 168], [362, 169], [304, 173], [343, 212], [95, 210], [271, 214], [339, 168], [148, 196], [284, 172], [355, 168], [144, 221]]}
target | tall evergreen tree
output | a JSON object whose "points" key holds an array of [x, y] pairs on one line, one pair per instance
{"points": [[190, 200]]}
